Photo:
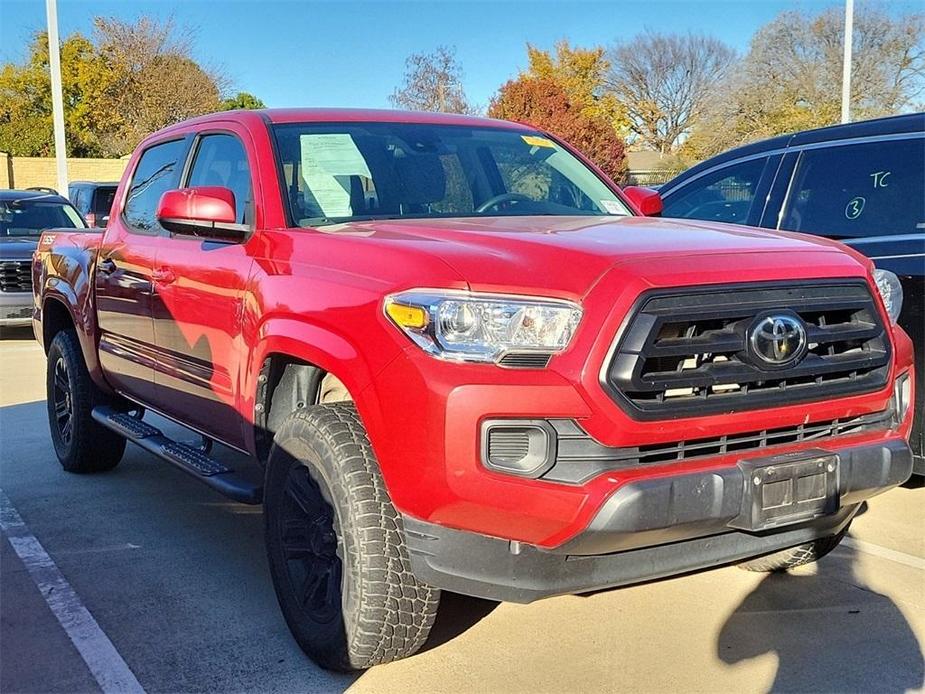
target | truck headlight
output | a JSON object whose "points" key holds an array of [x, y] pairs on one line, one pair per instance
{"points": [[470, 326], [891, 291]]}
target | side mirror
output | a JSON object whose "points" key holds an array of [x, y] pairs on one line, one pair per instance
{"points": [[206, 211], [646, 200]]}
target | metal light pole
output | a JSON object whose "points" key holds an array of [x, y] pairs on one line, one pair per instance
{"points": [[846, 64], [57, 100]]}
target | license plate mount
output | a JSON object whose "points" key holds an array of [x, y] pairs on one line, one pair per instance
{"points": [[787, 489]]}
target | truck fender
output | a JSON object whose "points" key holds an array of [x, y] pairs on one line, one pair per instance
{"points": [[297, 338]]}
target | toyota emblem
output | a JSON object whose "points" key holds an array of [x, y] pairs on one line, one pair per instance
{"points": [[777, 340]]}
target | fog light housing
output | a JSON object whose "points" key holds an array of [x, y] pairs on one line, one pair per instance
{"points": [[526, 448], [902, 396]]}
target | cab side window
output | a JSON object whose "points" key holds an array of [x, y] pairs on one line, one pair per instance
{"points": [[725, 195], [158, 171], [222, 161], [869, 189]]}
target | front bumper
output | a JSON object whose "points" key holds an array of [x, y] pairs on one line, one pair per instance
{"points": [[15, 308], [650, 528]]}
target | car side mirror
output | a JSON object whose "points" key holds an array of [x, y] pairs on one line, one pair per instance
{"points": [[207, 211], [647, 201]]}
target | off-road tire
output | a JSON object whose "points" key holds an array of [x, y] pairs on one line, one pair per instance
{"points": [[380, 612], [85, 446], [795, 556]]}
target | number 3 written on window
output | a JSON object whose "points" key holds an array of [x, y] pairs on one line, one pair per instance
{"points": [[854, 207]]}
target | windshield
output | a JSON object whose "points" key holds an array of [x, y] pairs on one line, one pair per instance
{"points": [[341, 172], [32, 216]]}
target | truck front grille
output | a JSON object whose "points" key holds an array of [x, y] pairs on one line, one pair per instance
{"points": [[15, 276], [685, 352]]}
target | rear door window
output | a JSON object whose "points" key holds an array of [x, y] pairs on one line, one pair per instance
{"points": [[725, 195], [158, 171], [850, 191]]}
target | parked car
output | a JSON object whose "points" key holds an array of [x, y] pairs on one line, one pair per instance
{"points": [[24, 214], [861, 183], [459, 358], [93, 200]]}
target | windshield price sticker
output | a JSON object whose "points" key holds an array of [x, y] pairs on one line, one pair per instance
{"points": [[537, 141], [612, 207]]}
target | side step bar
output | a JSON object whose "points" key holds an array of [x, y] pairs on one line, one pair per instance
{"points": [[191, 460]]}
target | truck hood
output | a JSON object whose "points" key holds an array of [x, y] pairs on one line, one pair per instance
{"points": [[18, 248], [568, 254]]}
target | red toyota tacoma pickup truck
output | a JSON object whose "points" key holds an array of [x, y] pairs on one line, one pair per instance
{"points": [[460, 358]]}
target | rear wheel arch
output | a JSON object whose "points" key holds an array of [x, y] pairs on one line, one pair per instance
{"points": [[59, 314], [56, 316]]}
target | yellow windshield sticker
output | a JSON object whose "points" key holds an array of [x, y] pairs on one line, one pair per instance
{"points": [[537, 141]]}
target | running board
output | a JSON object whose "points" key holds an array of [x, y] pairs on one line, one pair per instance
{"points": [[191, 460]]}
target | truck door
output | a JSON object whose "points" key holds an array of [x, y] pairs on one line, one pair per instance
{"points": [[198, 301], [124, 272]]}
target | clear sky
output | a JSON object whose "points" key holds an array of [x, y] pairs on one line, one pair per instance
{"points": [[352, 54]]}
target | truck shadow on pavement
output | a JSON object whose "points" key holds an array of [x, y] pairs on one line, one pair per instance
{"points": [[456, 615], [23, 332], [829, 632]]}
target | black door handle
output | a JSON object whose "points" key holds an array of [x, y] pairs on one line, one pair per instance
{"points": [[107, 266]]}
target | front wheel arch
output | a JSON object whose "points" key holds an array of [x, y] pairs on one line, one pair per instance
{"points": [[286, 384]]}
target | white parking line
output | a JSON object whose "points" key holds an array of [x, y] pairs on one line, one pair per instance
{"points": [[103, 660], [885, 553]]}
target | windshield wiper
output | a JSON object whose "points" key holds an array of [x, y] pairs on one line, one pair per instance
{"points": [[327, 221]]}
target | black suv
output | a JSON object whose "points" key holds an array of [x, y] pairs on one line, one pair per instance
{"points": [[24, 214], [861, 183], [93, 200]]}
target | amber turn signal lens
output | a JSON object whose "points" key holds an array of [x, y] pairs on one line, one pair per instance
{"points": [[407, 316]]}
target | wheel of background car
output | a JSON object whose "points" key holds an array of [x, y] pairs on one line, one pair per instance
{"points": [[807, 553], [498, 199], [336, 545]]}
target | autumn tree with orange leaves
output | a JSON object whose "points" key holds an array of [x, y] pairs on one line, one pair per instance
{"points": [[545, 104]]}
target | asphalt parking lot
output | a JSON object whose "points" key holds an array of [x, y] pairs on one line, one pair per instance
{"points": [[175, 578]]}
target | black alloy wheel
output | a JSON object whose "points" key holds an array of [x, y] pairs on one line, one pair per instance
{"points": [[309, 540], [62, 398]]}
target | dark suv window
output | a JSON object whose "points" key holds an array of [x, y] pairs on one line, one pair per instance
{"points": [[870, 189], [30, 216], [102, 200], [725, 195], [158, 171], [78, 197], [221, 161]]}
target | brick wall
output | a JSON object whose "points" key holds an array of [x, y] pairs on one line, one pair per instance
{"points": [[27, 172]]}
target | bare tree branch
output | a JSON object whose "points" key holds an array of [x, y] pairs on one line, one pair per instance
{"points": [[433, 82], [666, 82]]}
